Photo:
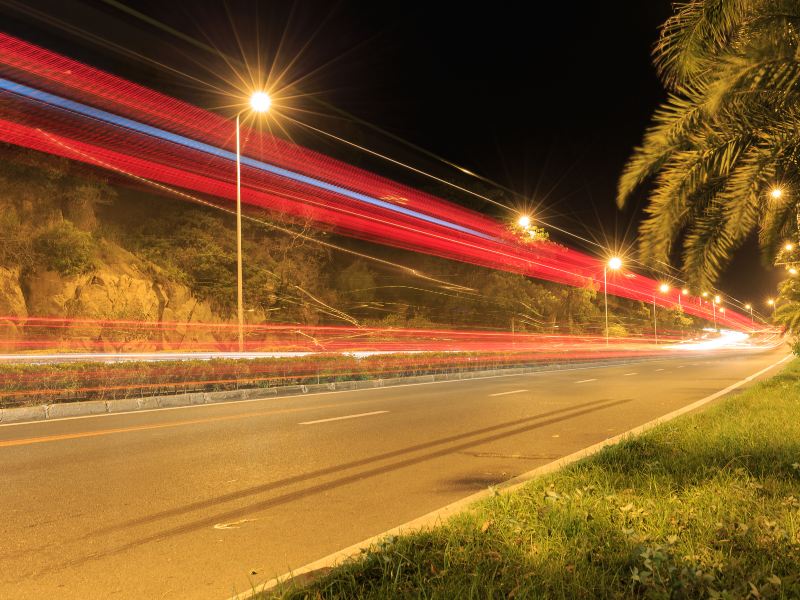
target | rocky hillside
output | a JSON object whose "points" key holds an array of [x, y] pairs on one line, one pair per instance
{"points": [[77, 246]]}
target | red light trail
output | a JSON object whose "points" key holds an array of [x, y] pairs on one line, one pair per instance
{"points": [[57, 105]]}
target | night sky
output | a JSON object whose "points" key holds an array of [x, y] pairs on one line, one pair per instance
{"points": [[547, 101]]}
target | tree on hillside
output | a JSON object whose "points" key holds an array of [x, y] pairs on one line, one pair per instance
{"points": [[727, 137]]}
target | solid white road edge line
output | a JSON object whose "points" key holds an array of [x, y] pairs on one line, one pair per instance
{"points": [[439, 516], [585, 380], [507, 393], [358, 416]]}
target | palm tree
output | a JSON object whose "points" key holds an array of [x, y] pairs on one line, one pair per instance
{"points": [[727, 136], [787, 310]]}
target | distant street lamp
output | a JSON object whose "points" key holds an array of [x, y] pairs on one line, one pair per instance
{"points": [[776, 193], [663, 288], [260, 102], [524, 221], [615, 264], [716, 301], [771, 303], [749, 307]]}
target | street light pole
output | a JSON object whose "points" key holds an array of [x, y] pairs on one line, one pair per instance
{"points": [[260, 102], [239, 302], [605, 296], [655, 325], [614, 263]]}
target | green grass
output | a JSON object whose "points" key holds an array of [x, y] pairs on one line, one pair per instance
{"points": [[706, 506]]}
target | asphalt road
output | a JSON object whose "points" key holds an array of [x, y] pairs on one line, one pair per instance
{"points": [[197, 502]]}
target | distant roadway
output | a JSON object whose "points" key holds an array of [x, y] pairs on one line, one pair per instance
{"points": [[200, 501]]}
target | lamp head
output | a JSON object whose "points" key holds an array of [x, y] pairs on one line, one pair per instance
{"points": [[260, 102], [615, 263]]}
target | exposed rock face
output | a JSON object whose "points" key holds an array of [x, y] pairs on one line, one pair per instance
{"points": [[12, 304], [123, 289]]}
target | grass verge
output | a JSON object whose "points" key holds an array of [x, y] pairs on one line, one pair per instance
{"points": [[706, 506]]}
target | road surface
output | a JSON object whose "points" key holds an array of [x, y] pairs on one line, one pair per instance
{"points": [[198, 502]]}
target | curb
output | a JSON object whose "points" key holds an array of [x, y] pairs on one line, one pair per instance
{"points": [[46, 412], [308, 573]]}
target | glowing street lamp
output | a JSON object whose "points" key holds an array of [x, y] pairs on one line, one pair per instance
{"points": [[749, 307], [684, 292], [771, 303], [615, 264], [716, 301], [788, 246], [524, 221], [663, 288], [792, 271], [776, 193], [260, 103]]}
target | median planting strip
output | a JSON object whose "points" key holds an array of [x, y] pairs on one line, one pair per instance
{"points": [[281, 378], [705, 506]]}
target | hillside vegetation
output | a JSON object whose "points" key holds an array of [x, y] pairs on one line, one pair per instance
{"points": [[77, 245]]}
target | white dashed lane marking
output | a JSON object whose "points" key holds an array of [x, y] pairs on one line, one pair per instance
{"points": [[369, 414]]}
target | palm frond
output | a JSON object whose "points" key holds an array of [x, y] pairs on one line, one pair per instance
{"points": [[706, 247], [746, 189], [690, 38], [689, 177], [672, 123]]}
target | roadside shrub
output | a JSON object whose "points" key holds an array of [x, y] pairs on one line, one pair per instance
{"points": [[64, 248], [617, 330]]}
